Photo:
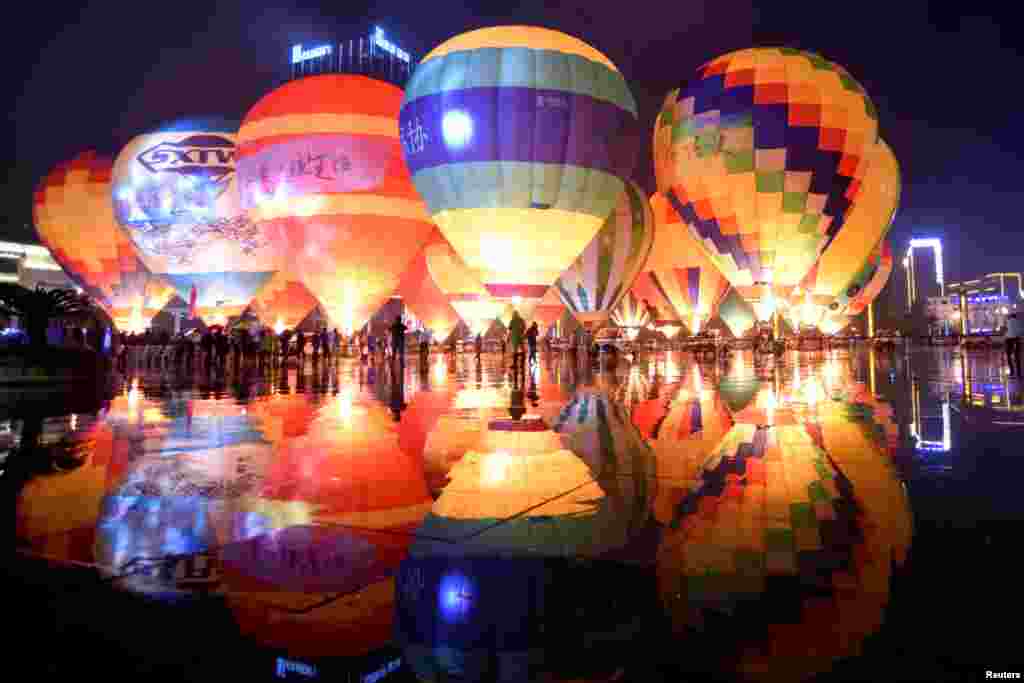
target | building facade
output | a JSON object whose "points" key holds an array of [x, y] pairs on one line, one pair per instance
{"points": [[372, 54], [30, 265], [1004, 284]]}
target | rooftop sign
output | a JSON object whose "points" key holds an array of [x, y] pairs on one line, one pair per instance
{"points": [[299, 55]]}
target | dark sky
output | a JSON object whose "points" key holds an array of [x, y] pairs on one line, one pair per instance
{"points": [[946, 85]]}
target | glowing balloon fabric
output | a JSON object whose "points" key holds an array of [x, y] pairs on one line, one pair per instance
{"points": [[632, 315], [284, 302], [833, 282], [601, 276], [424, 298], [518, 140], [736, 313], [681, 271], [320, 168], [175, 193], [762, 155], [548, 312], [876, 282], [75, 221], [464, 291]]}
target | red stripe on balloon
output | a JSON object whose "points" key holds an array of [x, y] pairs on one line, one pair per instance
{"points": [[525, 291]]}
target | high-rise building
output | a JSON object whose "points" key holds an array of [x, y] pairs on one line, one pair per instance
{"points": [[371, 55], [924, 270]]}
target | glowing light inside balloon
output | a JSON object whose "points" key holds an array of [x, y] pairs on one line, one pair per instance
{"points": [[279, 326], [457, 128], [495, 468]]}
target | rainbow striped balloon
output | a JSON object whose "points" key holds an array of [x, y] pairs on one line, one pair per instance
{"points": [[520, 140], [601, 276]]}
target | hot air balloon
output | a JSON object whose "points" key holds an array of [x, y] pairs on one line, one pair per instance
{"points": [[421, 295], [835, 279], [882, 269], [762, 156], [736, 313], [518, 140], [601, 276], [75, 221], [175, 193], [283, 302], [320, 170], [548, 312], [680, 270], [463, 290], [632, 316]]}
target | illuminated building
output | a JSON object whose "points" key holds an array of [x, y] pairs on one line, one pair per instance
{"points": [[1005, 284], [30, 265], [924, 256], [371, 55]]}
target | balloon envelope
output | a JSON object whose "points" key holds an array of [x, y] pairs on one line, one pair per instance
{"points": [[762, 155], [876, 282], [518, 139], [424, 298], [175, 193], [601, 276], [320, 169], [837, 277], [681, 271], [75, 221]]}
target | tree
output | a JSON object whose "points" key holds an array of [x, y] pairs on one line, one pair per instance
{"points": [[39, 306]]}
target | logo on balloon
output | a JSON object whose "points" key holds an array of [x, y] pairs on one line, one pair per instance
{"points": [[210, 157]]}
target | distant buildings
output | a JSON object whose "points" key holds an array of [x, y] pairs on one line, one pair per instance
{"points": [[370, 55], [30, 265], [924, 270]]}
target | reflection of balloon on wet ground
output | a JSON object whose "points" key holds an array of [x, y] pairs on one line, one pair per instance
{"points": [[534, 495], [518, 618], [781, 555], [682, 425]]}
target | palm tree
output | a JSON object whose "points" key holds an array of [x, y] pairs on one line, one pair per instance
{"points": [[39, 306]]}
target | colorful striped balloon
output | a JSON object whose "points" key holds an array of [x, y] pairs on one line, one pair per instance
{"points": [[601, 276], [175, 193], [75, 221], [876, 282], [424, 298], [763, 155], [681, 271], [519, 139], [836, 278], [320, 169]]}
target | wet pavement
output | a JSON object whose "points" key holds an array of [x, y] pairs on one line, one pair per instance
{"points": [[843, 515]]}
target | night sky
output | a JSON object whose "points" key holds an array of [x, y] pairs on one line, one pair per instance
{"points": [[946, 85]]}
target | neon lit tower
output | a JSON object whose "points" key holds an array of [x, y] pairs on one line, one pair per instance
{"points": [[916, 265]]}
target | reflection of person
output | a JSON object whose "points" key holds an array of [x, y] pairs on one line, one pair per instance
{"points": [[398, 329], [397, 395], [531, 341], [1014, 331]]}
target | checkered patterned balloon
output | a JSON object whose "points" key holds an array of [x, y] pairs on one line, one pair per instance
{"points": [[880, 269], [601, 276], [75, 220], [763, 155], [839, 275]]}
